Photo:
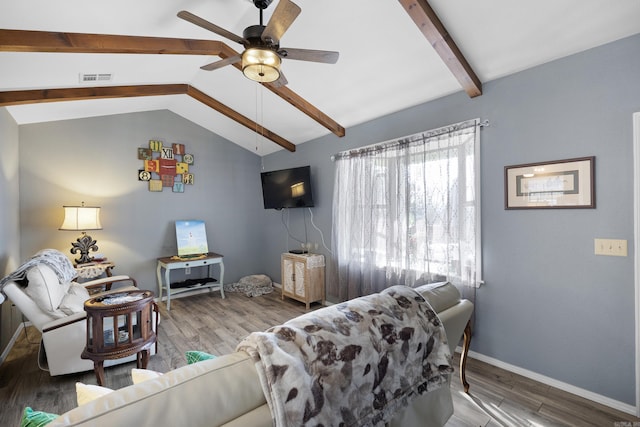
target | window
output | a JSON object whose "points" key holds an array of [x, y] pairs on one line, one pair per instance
{"points": [[407, 212]]}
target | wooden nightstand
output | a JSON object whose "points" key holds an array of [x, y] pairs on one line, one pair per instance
{"points": [[303, 277]]}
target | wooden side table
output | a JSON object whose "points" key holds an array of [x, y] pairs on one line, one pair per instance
{"points": [[91, 270], [120, 324], [303, 277]]}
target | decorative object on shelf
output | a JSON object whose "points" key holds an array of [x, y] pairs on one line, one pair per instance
{"points": [[119, 298], [191, 239], [82, 218], [165, 166], [559, 184]]}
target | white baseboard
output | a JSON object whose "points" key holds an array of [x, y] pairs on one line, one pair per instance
{"points": [[12, 341], [595, 397]]}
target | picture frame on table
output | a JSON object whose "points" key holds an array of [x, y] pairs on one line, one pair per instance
{"points": [[559, 184]]}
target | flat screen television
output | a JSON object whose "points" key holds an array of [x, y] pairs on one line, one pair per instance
{"points": [[287, 188]]}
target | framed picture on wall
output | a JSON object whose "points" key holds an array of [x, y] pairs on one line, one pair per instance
{"points": [[559, 184]]}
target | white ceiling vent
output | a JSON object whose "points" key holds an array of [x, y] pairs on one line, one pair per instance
{"points": [[95, 77]]}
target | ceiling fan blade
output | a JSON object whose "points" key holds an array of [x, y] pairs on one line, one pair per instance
{"points": [[219, 64], [282, 81], [324, 56], [194, 19], [283, 16]]}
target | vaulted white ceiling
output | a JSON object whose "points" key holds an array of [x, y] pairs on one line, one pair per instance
{"points": [[385, 64]]}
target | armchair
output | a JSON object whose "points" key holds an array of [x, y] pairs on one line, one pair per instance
{"points": [[56, 308]]}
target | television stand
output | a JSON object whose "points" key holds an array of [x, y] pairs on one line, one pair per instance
{"points": [[174, 263]]}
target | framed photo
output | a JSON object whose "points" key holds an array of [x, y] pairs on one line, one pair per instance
{"points": [[191, 237], [561, 184]]}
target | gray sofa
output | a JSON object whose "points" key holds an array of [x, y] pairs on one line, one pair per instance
{"points": [[226, 391]]}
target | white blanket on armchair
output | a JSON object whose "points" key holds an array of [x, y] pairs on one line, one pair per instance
{"points": [[353, 364], [55, 259]]}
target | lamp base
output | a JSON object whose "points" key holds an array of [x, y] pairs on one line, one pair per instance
{"points": [[84, 244]]}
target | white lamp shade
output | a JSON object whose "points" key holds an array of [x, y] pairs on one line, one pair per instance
{"points": [[81, 218], [261, 65]]}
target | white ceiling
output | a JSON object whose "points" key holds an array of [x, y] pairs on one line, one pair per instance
{"points": [[385, 64]]}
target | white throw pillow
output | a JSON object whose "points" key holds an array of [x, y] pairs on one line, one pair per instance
{"points": [[73, 301], [85, 393], [79, 290], [140, 375], [72, 304]]}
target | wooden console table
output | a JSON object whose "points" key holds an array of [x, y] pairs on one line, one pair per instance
{"points": [[175, 263], [119, 325]]}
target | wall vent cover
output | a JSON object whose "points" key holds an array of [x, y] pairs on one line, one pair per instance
{"points": [[95, 77]]}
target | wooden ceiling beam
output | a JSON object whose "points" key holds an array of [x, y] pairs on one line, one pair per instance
{"points": [[35, 96], [47, 41], [292, 98], [433, 29], [239, 118]]}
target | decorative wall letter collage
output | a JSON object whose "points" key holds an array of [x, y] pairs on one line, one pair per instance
{"points": [[165, 165]]}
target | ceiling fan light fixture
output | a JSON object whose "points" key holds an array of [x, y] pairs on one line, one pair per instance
{"points": [[261, 65]]}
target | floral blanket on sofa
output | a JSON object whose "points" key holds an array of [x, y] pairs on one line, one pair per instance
{"points": [[354, 363]]}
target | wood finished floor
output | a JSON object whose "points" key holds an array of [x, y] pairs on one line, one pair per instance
{"points": [[208, 323]]}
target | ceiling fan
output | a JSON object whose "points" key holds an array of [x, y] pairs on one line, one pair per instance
{"points": [[263, 55]]}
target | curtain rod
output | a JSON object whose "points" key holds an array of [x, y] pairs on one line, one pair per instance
{"points": [[480, 124]]}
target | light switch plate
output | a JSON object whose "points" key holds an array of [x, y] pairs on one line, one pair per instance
{"points": [[610, 247]]}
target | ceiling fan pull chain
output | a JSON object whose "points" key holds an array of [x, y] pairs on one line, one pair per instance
{"points": [[257, 133]]}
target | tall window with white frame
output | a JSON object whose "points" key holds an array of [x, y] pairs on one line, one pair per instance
{"points": [[408, 212]]}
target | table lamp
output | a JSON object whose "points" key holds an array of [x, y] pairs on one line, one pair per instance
{"points": [[82, 218]]}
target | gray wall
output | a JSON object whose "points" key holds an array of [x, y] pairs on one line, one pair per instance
{"points": [[95, 160], [9, 235], [549, 304]]}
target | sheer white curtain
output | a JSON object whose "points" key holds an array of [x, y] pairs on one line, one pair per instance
{"points": [[408, 212]]}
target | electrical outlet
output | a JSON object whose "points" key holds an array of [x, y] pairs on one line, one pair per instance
{"points": [[187, 270], [610, 247]]}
